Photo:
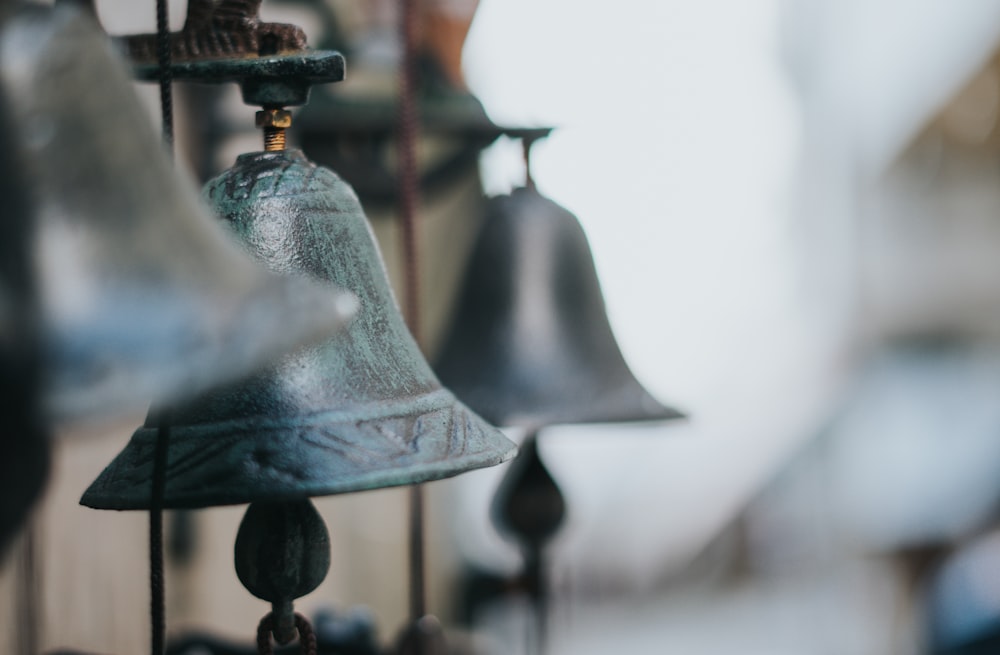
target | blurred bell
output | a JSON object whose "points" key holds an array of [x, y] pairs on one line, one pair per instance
{"points": [[962, 606], [24, 438], [140, 295], [361, 411], [530, 344]]}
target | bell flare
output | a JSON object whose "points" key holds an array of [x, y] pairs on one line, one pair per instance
{"points": [[292, 457], [141, 295], [362, 410], [530, 344]]}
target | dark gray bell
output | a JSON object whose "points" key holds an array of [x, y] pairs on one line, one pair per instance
{"points": [[530, 344], [140, 295], [361, 411], [24, 442]]}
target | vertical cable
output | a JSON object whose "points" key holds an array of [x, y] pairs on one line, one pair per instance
{"points": [[157, 592], [28, 581], [534, 568], [408, 187], [529, 181], [418, 598], [163, 58], [157, 604], [408, 200]]}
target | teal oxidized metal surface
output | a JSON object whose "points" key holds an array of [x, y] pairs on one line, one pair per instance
{"points": [[362, 411], [530, 344], [225, 41], [278, 80]]}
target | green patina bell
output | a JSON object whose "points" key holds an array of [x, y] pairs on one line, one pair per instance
{"points": [[361, 411]]}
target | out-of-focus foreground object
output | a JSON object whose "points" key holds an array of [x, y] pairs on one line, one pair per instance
{"points": [[140, 297], [117, 290]]}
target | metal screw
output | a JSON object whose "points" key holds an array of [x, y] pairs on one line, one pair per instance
{"points": [[275, 122]]}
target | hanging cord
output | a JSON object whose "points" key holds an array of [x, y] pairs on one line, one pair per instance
{"points": [[166, 78], [28, 615], [408, 199], [157, 603], [534, 571], [408, 187], [307, 638], [529, 181], [157, 592]]}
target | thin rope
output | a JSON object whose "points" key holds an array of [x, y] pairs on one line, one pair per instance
{"points": [[537, 581], [157, 591], [418, 594], [29, 615], [408, 200], [163, 59], [529, 181], [307, 638], [408, 185]]}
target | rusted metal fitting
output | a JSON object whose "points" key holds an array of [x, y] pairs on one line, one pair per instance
{"points": [[219, 29], [279, 118], [225, 41]]}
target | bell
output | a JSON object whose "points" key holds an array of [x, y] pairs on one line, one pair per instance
{"points": [[530, 344], [24, 438], [361, 411], [140, 296]]}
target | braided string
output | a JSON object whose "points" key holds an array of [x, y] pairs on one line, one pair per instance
{"points": [[157, 602], [307, 638]]}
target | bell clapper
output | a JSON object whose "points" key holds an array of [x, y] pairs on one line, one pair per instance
{"points": [[282, 552], [530, 508]]}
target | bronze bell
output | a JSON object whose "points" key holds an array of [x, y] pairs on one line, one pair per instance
{"points": [[140, 295], [361, 411], [530, 344]]}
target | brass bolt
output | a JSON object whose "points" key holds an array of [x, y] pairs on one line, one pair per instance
{"points": [[274, 139], [274, 122], [280, 118]]}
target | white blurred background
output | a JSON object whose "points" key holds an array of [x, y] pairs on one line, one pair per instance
{"points": [[794, 211]]}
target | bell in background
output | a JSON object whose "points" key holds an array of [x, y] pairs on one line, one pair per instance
{"points": [[361, 411], [530, 344], [139, 296], [24, 438]]}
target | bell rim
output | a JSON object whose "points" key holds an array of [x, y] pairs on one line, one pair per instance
{"points": [[430, 472], [529, 411], [113, 490]]}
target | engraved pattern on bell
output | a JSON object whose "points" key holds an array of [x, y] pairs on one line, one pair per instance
{"points": [[530, 343], [361, 411]]}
